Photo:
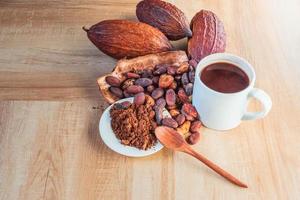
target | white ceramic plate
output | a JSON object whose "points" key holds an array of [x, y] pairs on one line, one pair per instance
{"points": [[114, 143]]}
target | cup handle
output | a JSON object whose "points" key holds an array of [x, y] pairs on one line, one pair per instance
{"points": [[264, 98]]}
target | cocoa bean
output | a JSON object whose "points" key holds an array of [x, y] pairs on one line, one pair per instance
{"points": [[134, 89], [174, 112], [132, 75], [170, 122], [158, 114], [160, 70], [126, 94], [171, 70], [170, 97], [150, 88], [195, 127], [177, 77], [113, 81], [193, 138], [191, 76], [127, 83], [193, 63], [165, 81], [188, 89], [172, 107], [139, 98], [180, 119], [149, 100], [184, 79], [155, 80], [161, 102], [151, 114], [173, 85], [147, 73], [189, 110], [184, 67], [144, 82], [157, 93], [182, 96], [116, 91]]}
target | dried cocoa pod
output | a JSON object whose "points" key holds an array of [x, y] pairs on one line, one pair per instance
{"points": [[139, 98], [113, 38], [157, 93], [188, 89], [170, 97], [193, 63], [132, 75], [165, 81], [174, 112], [193, 138], [127, 83], [184, 67], [195, 126], [161, 102], [164, 16], [113, 81], [144, 82], [149, 100], [173, 85], [180, 119], [170, 122], [208, 35], [160, 70], [134, 89], [183, 97], [150, 88], [116, 91], [191, 76], [184, 79], [189, 110], [171, 70]]}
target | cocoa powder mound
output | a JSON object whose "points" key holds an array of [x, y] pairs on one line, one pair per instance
{"points": [[134, 125]]}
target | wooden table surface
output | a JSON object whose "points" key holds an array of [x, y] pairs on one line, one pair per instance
{"points": [[50, 108]]}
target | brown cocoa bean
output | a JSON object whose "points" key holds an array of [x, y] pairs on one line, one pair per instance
{"points": [[183, 97], [184, 67], [174, 112], [165, 81], [152, 114], [113, 81], [160, 70], [126, 94], [155, 80], [150, 88], [180, 119], [157, 93], [193, 63], [144, 82], [116, 91], [127, 83], [161, 102], [132, 75], [147, 73], [184, 129], [170, 122], [173, 85], [184, 79], [172, 107], [149, 100], [171, 70], [170, 97], [193, 138], [191, 76], [195, 126], [158, 114], [189, 110], [188, 89], [139, 98], [134, 89]]}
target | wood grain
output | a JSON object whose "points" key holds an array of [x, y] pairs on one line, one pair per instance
{"points": [[50, 107]]}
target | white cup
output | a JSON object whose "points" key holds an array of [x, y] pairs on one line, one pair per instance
{"points": [[223, 111]]}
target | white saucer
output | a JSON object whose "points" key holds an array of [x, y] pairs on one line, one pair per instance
{"points": [[113, 142]]}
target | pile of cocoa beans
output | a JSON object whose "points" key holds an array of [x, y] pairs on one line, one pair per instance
{"points": [[168, 88]]}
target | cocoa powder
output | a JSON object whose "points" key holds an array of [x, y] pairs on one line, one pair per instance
{"points": [[134, 125]]}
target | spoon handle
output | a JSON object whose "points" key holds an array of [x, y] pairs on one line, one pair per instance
{"points": [[214, 167]]}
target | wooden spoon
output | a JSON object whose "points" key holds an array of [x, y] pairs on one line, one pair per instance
{"points": [[173, 140]]}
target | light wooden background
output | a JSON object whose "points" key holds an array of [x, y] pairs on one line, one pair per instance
{"points": [[49, 140]]}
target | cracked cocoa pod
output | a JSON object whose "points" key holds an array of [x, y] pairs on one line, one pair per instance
{"points": [[208, 35], [113, 38], [164, 16]]}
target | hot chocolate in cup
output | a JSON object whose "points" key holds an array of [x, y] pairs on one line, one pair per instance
{"points": [[224, 83]]}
